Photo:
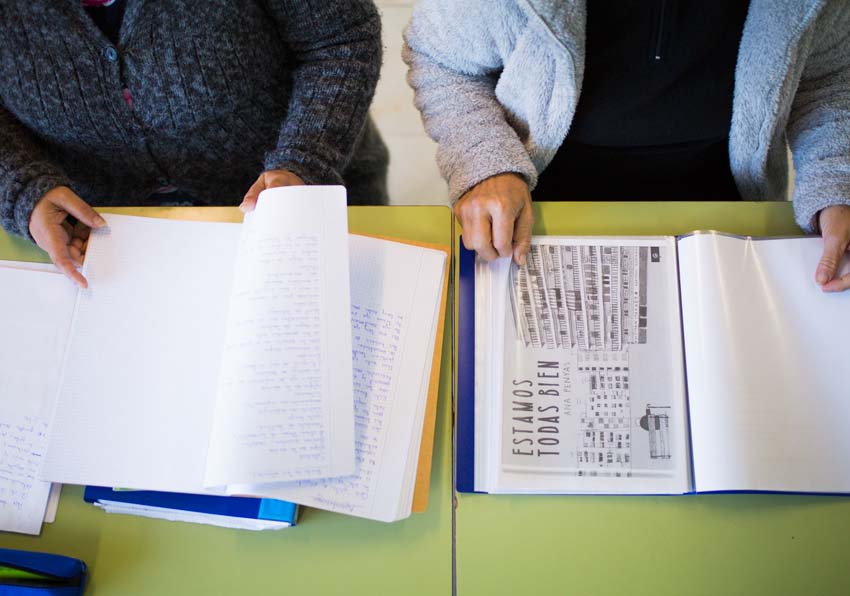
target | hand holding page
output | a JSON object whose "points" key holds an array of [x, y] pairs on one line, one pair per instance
{"points": [[138, 385], [173, 308]]}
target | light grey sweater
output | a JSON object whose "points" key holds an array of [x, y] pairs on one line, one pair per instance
{"points": [[497, 82]]}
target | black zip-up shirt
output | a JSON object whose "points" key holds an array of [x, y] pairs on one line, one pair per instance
{"points": [[653, 117], [107, 14]]}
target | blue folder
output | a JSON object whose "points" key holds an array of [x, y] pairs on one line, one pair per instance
{"points": [[47, 574], [244, 507], [465, 408]]}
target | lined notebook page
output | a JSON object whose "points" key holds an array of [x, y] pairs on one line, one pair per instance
{"points": [[35, 314], [395, 297], [284, 409], [767, 358], [139, 381]]}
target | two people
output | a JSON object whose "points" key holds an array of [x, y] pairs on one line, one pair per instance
{"points": [[527, 99]]}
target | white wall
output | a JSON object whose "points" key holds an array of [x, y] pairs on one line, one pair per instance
{"points": [[413, 178]]}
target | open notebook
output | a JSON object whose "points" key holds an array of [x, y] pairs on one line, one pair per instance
{"points": [[580, 373], [148, 399], [205, 354]]}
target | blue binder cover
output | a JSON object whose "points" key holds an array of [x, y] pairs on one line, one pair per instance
{"points": [[465, 409], [245, 507]]}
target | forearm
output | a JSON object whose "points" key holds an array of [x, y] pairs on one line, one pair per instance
{"points": [[335, 64], [819, 123], [455, 90], [462, 114], [26, 174]]}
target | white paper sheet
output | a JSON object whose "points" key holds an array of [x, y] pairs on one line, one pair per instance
{"points": [[35, 314], [285, 403], [767, 361], [139, 380]]}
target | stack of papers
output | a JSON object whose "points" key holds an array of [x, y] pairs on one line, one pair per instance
{"points": [[280, 358]]}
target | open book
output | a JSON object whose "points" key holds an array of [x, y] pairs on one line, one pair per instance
{"points": [[581, 373], [218, 358], [206, 354]]}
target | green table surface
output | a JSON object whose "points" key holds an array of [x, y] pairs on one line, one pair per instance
{"points": [[689, 545], [326, 553]]}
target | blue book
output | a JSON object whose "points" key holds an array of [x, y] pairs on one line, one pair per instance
{"points": [[232, 512]]}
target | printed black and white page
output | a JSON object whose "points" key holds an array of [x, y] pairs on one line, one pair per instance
{"points": [[589, 379], [766, 354]]}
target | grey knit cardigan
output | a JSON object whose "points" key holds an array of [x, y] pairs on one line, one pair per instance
{"points": [[497, 82], [220, 91]]}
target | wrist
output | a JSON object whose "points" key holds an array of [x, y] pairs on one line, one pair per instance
{"points": [[29, 198]]}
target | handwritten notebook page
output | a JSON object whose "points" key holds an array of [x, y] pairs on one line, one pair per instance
{"points": [[395, 297], [422, 467], [284, 409], [139, 382], [35, 314]]}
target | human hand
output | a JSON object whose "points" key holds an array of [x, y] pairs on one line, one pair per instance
{"points": [[64, 242], [269, 179], [835, 229], [496, 217]]}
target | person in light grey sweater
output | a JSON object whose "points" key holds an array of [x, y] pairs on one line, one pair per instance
{"points": [[499, 82], [145, 103]]}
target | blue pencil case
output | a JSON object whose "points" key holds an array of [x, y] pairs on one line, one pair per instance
{"points": [[24, 573]]}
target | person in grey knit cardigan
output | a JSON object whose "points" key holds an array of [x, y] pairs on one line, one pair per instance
{"points": [[521, 92], [197, 97]]}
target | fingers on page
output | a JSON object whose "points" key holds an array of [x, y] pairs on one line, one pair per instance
{"points": [[837, 285], [834, 248], [250, 199], [503, 232], [80, 210], [522, 234], [477, 236]]}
